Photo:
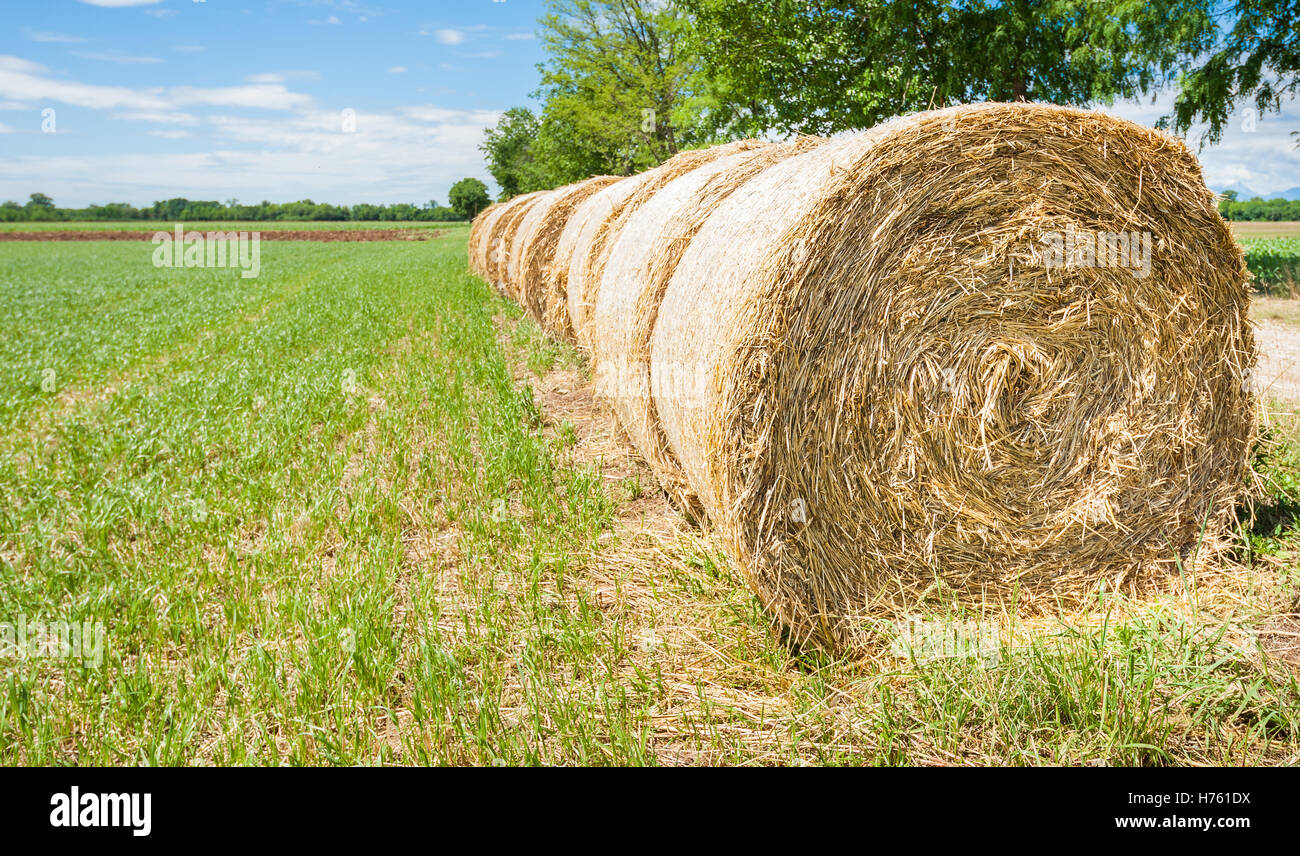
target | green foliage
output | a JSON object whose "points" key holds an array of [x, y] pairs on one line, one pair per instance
{"points": [[1275, 262], [508, 147], [1256, 61], [618, 90], [1276, 210], [468, 197], [820, 66]]}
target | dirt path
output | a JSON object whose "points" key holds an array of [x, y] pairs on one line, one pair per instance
{"points": [[1278, 374], [270, 234]]}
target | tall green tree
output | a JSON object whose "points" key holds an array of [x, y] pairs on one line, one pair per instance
{"points": [[819, 66], [508, 147], [617, 86], [1256, 61], [467, 197]]}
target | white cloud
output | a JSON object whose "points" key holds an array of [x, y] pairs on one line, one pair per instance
{"points": [[117, 4], [25, 81], [518, 37], [449, 37], [282, 76], [262, 96], [397, 69], [385, 160], [159, 118], [189, 48], [5, 129], [28, 82], [118, 58], [56, 38], [170, 135]]}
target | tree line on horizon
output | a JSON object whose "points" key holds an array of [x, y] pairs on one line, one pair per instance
{"points": [[626, 84], [467, 197]]}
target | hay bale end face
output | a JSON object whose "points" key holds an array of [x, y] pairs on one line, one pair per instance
{"points": [[991, 353]]}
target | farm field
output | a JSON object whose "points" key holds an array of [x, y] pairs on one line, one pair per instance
{"points": [[1245, 229], [358, 511]]}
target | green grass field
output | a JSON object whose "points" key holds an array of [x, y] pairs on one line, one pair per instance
{"points": [[353, 511]]}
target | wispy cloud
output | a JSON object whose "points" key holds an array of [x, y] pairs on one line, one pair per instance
{"points": [[24, 81], [519, 37], [189, 49], [162, 118], [56, 38], [283, 76], [117, 57], [449, 37], [118, 4], [397, 69]]}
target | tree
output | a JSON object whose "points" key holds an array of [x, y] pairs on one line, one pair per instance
{"points": [[508, 147], [618, 88], [468, 197], [40, 200], [1256, 60], [820, 66]]}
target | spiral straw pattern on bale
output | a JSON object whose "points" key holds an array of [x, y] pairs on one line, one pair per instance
{"points": [[900, 393], [575, 245]]}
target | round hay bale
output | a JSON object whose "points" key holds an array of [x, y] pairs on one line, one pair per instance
{"points": [[502, 236], [641, 263], [911, 379], [574, 243], [583, 288], [478, 232], [535, 242]]}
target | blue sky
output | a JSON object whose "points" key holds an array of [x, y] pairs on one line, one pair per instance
{"points": [[246, 99]]}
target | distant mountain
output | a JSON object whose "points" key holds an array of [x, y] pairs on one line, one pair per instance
{"points": [[1244, 193]]}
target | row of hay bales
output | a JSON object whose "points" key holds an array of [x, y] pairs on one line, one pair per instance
{"points": [[867, 363]]}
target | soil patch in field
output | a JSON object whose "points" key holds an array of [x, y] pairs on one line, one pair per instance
{"points": [[324, 235]]}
